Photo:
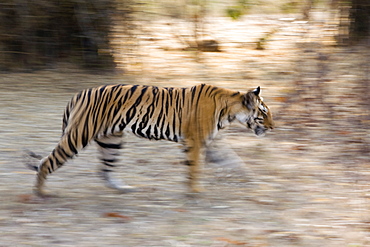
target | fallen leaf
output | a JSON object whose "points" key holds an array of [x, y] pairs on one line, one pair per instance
{"points": [[298, 147], [117, 215], [29, 198], [180, 210], [231, 241], [24, 198], [343, 132]]}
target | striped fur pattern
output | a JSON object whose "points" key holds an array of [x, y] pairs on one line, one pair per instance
{"points": [[191, 116]]}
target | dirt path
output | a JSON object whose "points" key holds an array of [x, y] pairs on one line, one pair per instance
{"points": [[289, 188]]}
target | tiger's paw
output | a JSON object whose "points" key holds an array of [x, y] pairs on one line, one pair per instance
{"points": [[124, 189], [119, 186], [196, 189], [42, 194], [195, 192]]}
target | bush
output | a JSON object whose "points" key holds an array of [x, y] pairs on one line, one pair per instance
{"points": [[35, 34]]}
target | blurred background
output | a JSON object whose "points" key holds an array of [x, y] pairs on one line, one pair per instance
{"points": [[37, 34], [306, 183]]}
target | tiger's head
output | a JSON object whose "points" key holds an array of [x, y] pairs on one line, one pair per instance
{"points": [[254, 113]]}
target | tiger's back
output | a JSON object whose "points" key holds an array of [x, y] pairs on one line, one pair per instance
{"points": [[148, 111]]}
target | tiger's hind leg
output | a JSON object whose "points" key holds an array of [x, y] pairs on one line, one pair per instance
{"points": [[64, 151], [109, 147]]}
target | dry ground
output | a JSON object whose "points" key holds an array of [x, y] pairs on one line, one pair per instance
{"points": [[304, 184]]}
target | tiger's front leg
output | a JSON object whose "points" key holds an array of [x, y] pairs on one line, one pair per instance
{"points": [[109, 147], [192, 156]]}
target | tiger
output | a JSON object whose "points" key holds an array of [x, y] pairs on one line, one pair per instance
{"points": [[191, 116]]}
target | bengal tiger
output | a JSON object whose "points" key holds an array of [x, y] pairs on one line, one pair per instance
{"points": [[191, 116]]}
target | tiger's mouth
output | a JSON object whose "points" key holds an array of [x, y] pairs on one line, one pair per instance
{"points": [[260, 131]]}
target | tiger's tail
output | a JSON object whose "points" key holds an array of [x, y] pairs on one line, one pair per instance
{"points": [[31, 158]]}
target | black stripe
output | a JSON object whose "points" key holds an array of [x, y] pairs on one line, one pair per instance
{"points": [[77, 97], [148, 134], [58, 162], [193, 89], [199, 94], [178, 101], [106, 170], [132, 111], [96, 113], [88, 95], [62, 152], [85, 134], [168, 133], [188, 163], [144, 121], [207, 89], [109, 145], [33, 167], [71, 145], [174, 124], [102, 89], [161, 131], [168, 103], [159, 118], [156, 133], [107, 164], [117, 91], [122, 125], [130, 114], [183, 95], [115, 124], [51, 162], [127, 94], [33, 155], [170, 95], [133, 89], [161, 128], [117, 108], [213, 89], [133, 128], [109, 160], [151, 107]]}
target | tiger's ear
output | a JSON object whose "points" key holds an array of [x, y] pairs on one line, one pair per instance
{"points": [[250, 98], [257, 91]]}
